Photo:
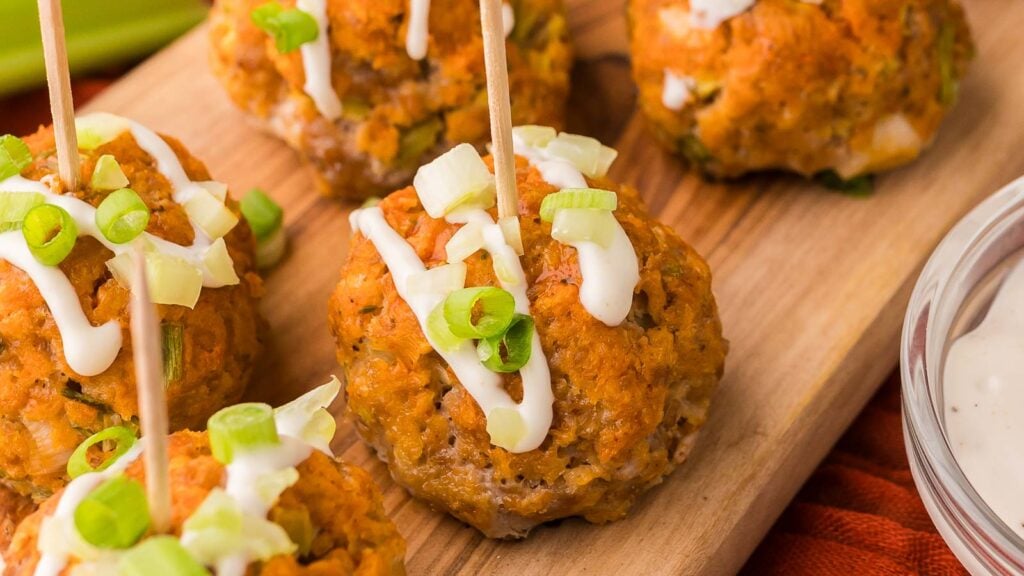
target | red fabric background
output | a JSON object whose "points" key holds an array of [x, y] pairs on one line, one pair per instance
{"points": [[858, 514]]}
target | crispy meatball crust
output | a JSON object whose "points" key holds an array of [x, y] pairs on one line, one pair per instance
{"points": [[850, 86], [353, 535], [46, 409], [399, 113], [628, 399]]}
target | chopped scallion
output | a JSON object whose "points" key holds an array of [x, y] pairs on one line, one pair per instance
{"points": [[587, 154], [209, 213], [437, 330], [219, 264], [290, 28], [50, 233], [160, 556], [465, 242], [577, 198], [173, 341], [114, 515], [122, 216], [14, 206], [456, 179], [241, 428], [107, 174], [583, 225], [510, 351], [479, 312], [79, 464], [505, 427], [14, 156], [262, 213], [442, 279]]}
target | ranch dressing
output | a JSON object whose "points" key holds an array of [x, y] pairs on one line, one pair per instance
{"points": [[984, 403], [709, 14], [316, 62], [483, 385], [677, 91], [608, 275]]}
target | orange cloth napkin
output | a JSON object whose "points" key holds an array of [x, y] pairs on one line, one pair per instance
{"points": [[858, 515]]}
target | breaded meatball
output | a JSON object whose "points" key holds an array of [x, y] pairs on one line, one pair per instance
{"points": [[628, 399], [46, 409], [397, 112], [352, 535], [836, 87]]}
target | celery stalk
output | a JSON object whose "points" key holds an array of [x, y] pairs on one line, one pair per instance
{"points": [[99, 33]]}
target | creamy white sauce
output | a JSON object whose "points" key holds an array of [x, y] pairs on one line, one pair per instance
{"points": [[677, 91], [483, 385], [248, 467], [609, 275], [51, 562], [90, 350], [419, 29], [984, 403], [316, 62], [709, 14]]}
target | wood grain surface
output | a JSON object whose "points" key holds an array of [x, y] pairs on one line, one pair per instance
{"points": [[812, 287]]}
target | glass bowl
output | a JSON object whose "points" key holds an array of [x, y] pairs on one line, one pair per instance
{"points": [[951, 297]]}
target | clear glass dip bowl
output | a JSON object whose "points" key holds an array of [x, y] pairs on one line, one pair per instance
{"points": [[952, 296]]}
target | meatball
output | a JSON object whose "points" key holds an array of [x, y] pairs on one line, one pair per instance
{"points": [[833, 88], [628, 399], [397, 112], [345, 512], [46, 408]]}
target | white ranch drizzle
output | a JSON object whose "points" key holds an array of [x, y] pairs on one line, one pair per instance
{"points": [[51, 563], [483, 385], [608, 275], [316, 62], [89, 350], [418, 33], [709, 14], [677, 90]]}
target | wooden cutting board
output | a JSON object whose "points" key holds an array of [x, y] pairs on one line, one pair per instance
{"points": [[812, 287]]}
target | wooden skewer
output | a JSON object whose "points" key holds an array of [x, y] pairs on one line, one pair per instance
{"points": [[500, 108], [149, 380], [58, 79]]}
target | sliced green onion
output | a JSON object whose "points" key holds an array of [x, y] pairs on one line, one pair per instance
{"points": [[513, 233], [506, 427], [465, 242], [535, 136], [94, 130], [173, 344], [209, 213], [456, 179], [587, 154], [218, 190], [122, 216], [583, 225], [307, 416], [107, 174], [14, 156], [437, 330], [270, 251], [263, 214], [298, 525], [14, 206], [440, 280], [417, 141], [511, 350], [577, 198], [172, 280], [50, 233], [496, 308], [79, 464], [289, 28], [507, 268], [114, 515], [241, 428], [160, 556], [218, 529], [219, 264]]}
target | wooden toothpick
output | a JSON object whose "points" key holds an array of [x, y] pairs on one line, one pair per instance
{"points": [[500, 108], [58, 79], [149, 381]]}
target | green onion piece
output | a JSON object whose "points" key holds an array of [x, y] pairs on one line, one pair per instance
{"points": [[437, 330], [79, 464], [947, 74], [496, 310], [417, 141], [172, 280], [219, 264], [14, 156], [114, 515], [465, 242], [510, 351], [587, 154], [270, 251], [96, 129], [240, 428], [307, 417], [289, 28], [459, 178], [298, 525], [160, 556], [209, 213], [583, 225], [438, 280], [14, 206], [506, 427], [50, 233], [107, 175], [173, 343], [577, 198], [218, 190], [858, 186], [263, 214], [122, 216]]}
